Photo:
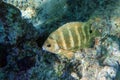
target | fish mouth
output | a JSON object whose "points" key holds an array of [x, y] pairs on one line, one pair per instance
{"points": [[43, 48]]}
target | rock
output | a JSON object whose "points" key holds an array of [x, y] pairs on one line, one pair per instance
{"points": [[42, 11], [26, 63], [10, 27], [3, 56], [2, 33], [107, 73]]}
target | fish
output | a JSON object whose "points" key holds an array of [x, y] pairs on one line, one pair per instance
{"points": [[70, 37]]}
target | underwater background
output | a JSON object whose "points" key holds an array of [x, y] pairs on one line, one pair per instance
{"points": [[26, 24]]}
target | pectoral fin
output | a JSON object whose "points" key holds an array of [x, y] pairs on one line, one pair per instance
{"points": [[66, 53]]}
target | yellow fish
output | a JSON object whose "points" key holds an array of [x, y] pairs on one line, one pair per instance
{"points": [[70, 37]]}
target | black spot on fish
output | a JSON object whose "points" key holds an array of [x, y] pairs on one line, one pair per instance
{"points": [[90, 31]]}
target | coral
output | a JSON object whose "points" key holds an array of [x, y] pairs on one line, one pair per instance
{"points": [[2, 33], [10, 32], [16, 39], [25, 63], [3, 55], [107, 73], [42, 11]]}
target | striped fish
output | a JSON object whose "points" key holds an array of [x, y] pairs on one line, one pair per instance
{"points": [[70, 37]]}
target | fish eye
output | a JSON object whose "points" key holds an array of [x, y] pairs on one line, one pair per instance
{"points": [[49, 45]]}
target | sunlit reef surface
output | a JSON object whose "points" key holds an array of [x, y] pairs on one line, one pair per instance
{"points": [[25, 25]]}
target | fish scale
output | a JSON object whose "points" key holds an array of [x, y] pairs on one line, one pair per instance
{"points": [[63, 40], [74, 36], [60, 40], [84, 35], [81, 35], [67, 40], [78, 36], [87, 33], [70, 37]]}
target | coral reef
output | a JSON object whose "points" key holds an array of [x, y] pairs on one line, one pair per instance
{"points": [[25, 25]]}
